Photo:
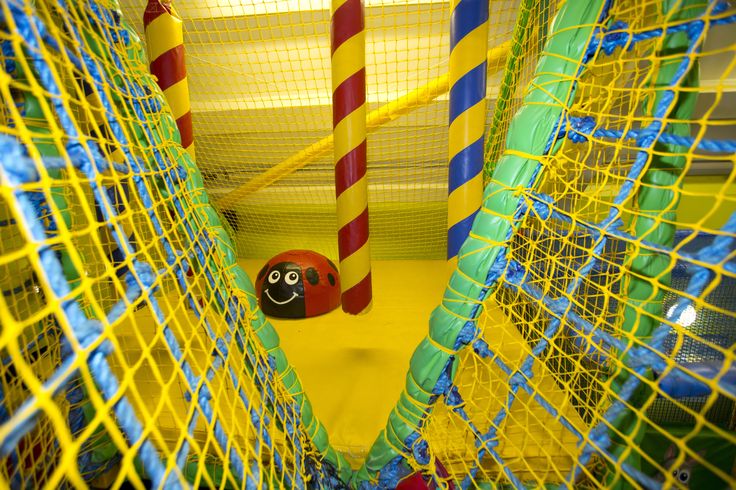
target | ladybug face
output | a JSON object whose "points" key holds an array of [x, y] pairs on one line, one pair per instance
{"points": [[298, 284], [283, 291]]}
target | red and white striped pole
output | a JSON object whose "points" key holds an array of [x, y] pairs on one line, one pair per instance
{"points": [[349, 130]]}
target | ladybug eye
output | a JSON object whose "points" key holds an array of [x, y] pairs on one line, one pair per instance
{"points": [[274, 277], [291, 278]]}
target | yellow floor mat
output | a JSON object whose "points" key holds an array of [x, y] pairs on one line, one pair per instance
{"points": [[353, 367]]}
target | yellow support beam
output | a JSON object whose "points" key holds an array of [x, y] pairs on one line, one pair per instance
{"points": [[376, 118]]}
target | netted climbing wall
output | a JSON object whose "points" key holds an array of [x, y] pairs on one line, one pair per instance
{"points": [[133, 349], [586, 338]]}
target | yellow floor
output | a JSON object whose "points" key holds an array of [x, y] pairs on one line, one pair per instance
{"points": [[353, 370], [353, 367]]}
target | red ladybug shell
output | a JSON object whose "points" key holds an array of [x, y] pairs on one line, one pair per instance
{"points": [[318, 275]]}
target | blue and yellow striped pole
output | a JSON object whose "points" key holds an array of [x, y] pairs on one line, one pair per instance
{"points": [[468, 72]]}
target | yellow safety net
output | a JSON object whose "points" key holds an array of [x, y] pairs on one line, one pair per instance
{"points": [[599, 285], [260, 84], [132, 348], [594, 303]]}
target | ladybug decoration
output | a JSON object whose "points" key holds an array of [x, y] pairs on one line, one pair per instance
{"points": [[298, 284], [419, 481]]}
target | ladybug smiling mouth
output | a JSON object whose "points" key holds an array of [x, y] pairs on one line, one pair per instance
{"points": [[293, 295]]}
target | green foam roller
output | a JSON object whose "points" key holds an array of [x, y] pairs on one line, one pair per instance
{"points": [[427, 364], [280, 358]]}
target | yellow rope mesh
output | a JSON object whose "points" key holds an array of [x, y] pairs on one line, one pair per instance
{"points": [[66, 415], [104, 264], [582, 180], [259, 78]]}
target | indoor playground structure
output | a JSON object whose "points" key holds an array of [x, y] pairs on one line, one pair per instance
{"points": [[531, 205]]}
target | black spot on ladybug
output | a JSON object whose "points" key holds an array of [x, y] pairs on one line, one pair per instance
{"points": [[312, 276], [331, 278], [262, 272], [332, 265]]}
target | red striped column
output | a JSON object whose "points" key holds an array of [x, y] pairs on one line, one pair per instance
{"points": [[349, 130], [165, 43]]}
